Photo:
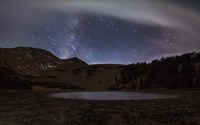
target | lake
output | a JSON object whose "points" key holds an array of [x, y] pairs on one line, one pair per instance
{"points": [[112, 96]]}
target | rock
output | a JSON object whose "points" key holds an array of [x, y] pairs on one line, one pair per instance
{"points": [[114, 119]]}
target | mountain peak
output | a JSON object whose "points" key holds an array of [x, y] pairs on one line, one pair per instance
{"points": [[76, 60]]}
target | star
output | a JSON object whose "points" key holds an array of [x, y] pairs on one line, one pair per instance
{"points": [[121, 32]]}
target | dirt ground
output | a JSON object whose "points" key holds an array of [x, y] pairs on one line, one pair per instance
{"points": [[37, 108]]}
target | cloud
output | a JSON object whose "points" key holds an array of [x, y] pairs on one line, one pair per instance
{"points": [[155, 12]]}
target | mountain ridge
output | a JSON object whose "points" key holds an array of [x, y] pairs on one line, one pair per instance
{"points": [[30, 66], [40, 66]]}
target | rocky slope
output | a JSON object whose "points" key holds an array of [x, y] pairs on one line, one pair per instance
{"points": [[40, 66]]}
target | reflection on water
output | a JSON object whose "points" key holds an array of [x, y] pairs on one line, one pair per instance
{"points": [[111, 96]]}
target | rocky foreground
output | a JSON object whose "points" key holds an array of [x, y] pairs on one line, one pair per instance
{"points": [[36, 108]]}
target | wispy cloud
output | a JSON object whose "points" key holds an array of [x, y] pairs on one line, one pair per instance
{"points": [[155, 12]]}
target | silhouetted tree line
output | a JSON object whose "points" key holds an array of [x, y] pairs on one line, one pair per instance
{"points": [[171, 72]]}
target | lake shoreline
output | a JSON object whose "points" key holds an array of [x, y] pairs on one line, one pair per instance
{"points": [[111, 95], [37, 108]]}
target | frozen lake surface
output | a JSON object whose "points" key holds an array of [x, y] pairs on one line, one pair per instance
{"points": [[112, 96]]}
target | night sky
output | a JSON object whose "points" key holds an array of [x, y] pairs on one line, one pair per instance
{"points": [[102, 31]]}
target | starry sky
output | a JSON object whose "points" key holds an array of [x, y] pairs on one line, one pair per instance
{"points": [[102, 31]]}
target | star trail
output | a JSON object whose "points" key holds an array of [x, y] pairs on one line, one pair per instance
{"points": [[102, 31]]}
